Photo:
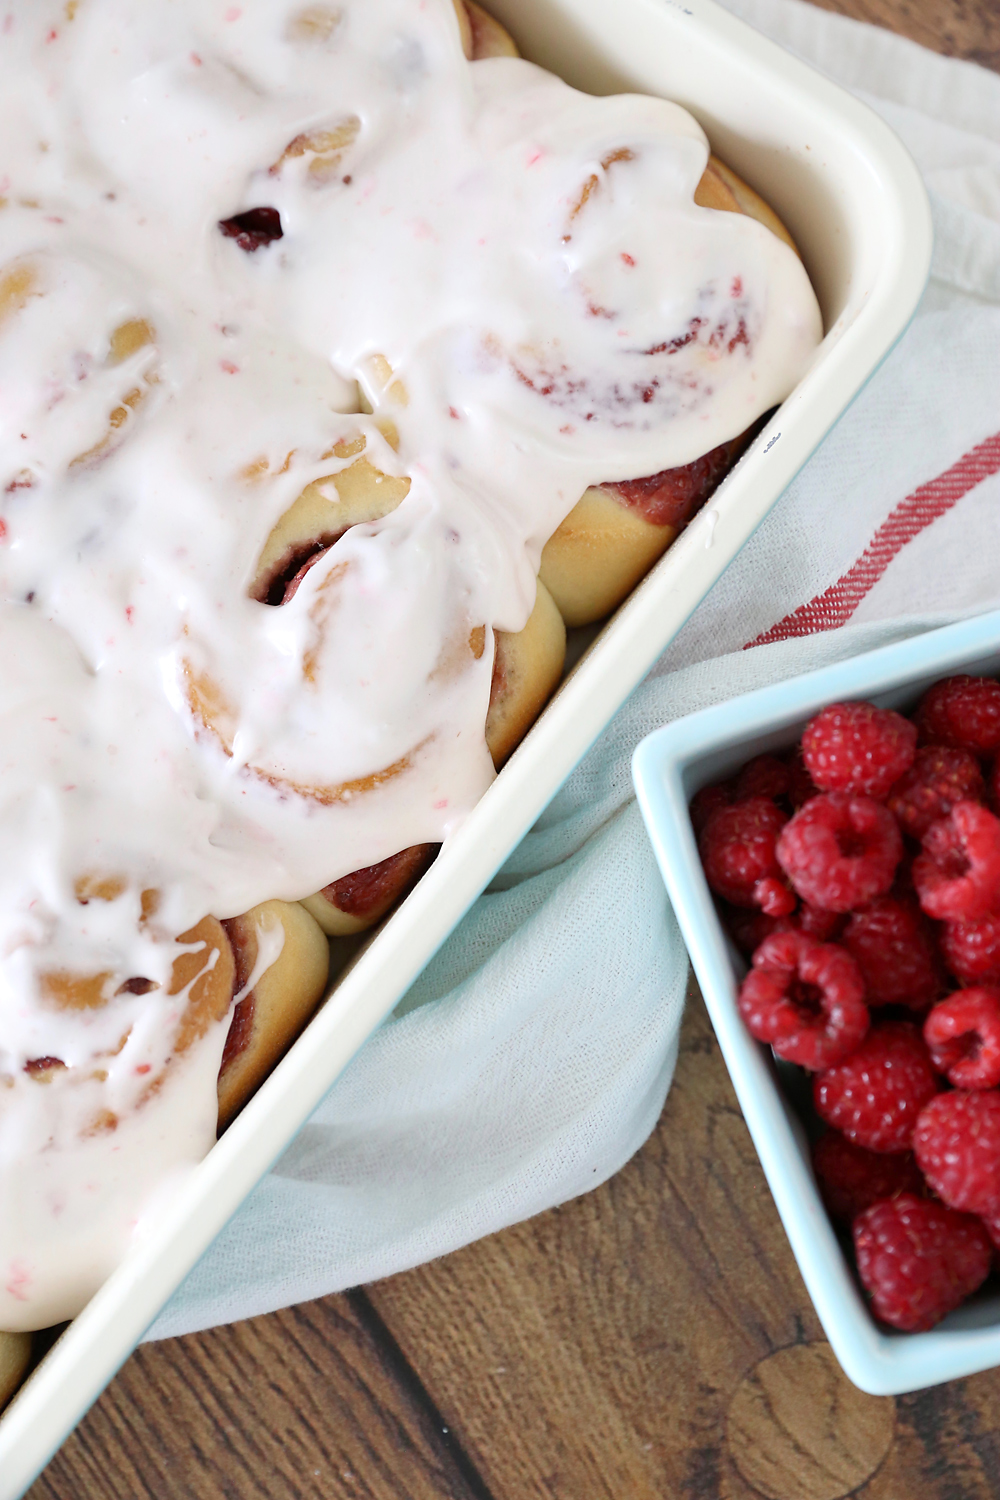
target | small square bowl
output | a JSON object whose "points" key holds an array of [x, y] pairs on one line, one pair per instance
{"points": [[669, 766]]}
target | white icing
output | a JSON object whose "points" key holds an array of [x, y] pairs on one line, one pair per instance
{"points": [[529, 261]]}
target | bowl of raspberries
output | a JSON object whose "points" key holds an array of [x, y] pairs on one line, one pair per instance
{"points": [[831, 847]]}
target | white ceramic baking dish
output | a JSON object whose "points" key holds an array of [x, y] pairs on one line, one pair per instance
{"points": [[669, 767], [854, 202]]}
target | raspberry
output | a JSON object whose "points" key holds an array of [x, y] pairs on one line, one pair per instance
{"points": [[957, 1145], [939, 777], [840, 852], [820, 924], [707, 802], [858, 748], [805, 998], [992, 1227], [961, 711], [963, 1034], [764, 776], [737, 851], [958, 875], [890, 941], [851, 1179], [748, 928], [801, 787], [875, 1095], [972, 949], [919, 1260]]}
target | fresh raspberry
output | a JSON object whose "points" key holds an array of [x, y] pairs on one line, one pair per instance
{"points": [[963, 1034], [749, 927], [993, 786], [858, 748], [840, 852], [890, 941], [961, 711], [919, 1260], [737, 851], [992, 1227], [939, 777], [707, 802], [851, 1179], [764, 776], [801, 787], [972, 950], [875, 1095], [805, 998], [958, 874], [824, 926], [957, 1145]]}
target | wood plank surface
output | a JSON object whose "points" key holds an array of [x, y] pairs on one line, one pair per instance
{"points": [[959, 28], [652, 1339]]}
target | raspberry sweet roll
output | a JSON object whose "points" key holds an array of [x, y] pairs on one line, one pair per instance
{"points": [[283, 460]]}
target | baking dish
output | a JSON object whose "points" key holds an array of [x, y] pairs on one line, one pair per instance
{"points": [[669, 767], [855, 203]]}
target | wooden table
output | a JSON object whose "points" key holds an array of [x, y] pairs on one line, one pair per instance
{"points": [[651, 1341]]}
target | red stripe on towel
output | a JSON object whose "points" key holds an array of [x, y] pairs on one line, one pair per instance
{"points": [[836, 605]]}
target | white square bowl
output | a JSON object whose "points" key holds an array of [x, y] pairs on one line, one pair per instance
{"points": [[669, 766], [854, 202]]}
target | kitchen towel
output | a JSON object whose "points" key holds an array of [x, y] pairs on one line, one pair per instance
{"points": [[532, 1057]]}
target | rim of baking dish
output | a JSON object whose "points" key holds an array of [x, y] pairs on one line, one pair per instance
{"points": [[99, 1340], [668, 766]]}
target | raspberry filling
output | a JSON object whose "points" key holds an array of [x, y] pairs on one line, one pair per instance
{"points": [[963, 1034], [939, 777], [253, 228], [875, 1096], [919, 1260], [738, 854], [805, 999], [675, 496], [365, 891], [958, 874], [840, 852], [957, 1145], [856, 747]]}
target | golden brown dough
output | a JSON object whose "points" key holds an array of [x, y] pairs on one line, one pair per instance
{"points": [[488, 38], [612, 537], [721, 188], [15, 1356], [616, 532], [526, 672], [267, 1020], [321, 514], [464, 26], [527, 667]]}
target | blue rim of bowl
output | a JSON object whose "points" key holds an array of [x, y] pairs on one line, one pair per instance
{"points": [[878, 1361]]}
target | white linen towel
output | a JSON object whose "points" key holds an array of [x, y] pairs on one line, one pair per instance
{"points": [[533, 1056]]}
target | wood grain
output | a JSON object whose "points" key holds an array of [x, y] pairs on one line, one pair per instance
{"points": [[308, 1404], [958, 28]]}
